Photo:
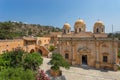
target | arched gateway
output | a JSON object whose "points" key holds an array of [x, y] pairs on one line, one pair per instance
{"points": [[42, 50]]}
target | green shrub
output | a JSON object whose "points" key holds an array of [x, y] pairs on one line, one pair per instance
{"points": [[19, 65], [58, 61], [118, 55], [51, 48], [32, 61], [19, 58], [16, 74], [11, 59]]}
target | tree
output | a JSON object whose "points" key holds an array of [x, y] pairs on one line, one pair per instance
{"points": [[19, 58], [11, 59], [19, 65], [30, 32], [51, 48], [58, 61], [32, 61]]}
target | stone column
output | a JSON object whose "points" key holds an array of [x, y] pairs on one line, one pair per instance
{"points": [[73, 55], [97, 56]]}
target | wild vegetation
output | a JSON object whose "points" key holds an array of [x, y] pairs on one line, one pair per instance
{"points": [[10, 30]]}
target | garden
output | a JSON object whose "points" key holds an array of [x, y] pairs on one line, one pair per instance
{"points": [[21, 65]]}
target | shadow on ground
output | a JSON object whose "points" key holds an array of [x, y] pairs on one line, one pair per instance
{"points": [[91, 68]]}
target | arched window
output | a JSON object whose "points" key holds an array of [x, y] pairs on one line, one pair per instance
{"points": [[66, 56], [32, 50], [105, 58], [79, 29], [97, 30], [40, 51]]}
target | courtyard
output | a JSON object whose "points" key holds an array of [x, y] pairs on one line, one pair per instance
{"points": [[82, 73]]}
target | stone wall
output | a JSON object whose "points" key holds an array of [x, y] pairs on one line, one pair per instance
{"points": [[8, 45]]}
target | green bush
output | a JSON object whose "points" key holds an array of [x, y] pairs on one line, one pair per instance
{"points": [[51, 48], [32, 61], [58, 61], [16, 74], [11, 59], [19, 58], [19, 65]]}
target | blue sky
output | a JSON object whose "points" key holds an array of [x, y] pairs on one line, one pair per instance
{"points": [[57, 12]]}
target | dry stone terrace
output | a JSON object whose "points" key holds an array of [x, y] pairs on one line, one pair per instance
{"points": [[82, 73]]}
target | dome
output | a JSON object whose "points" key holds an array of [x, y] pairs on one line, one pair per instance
{"points": [[99, 27], [66, 26], [99, 23], [80, 21]]}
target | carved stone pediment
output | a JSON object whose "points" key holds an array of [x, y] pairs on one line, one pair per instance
{"points": [[66, 50], [83, 49], [104, 45], [105, 53]]}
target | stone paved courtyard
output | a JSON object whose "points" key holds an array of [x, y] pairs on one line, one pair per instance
{"points": [[78, 73]]}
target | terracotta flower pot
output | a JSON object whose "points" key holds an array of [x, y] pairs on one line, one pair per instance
{"points": [[55, 72]]}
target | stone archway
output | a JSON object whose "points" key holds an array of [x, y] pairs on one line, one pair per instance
{"points": [[32, 50], [40, 52]]}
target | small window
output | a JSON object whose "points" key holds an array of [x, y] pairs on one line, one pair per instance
{"points": [[66, 56], [79, 29], [104, 58], [97, 30]]}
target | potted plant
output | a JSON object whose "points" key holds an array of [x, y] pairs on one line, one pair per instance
{"points": [[58, 61]]}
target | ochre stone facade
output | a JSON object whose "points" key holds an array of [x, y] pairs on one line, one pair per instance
{"points": [[86, 48], [29, 44], [8, 45]]}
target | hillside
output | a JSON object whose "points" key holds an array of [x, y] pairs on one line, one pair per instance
{"points": [[10, 30]]}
